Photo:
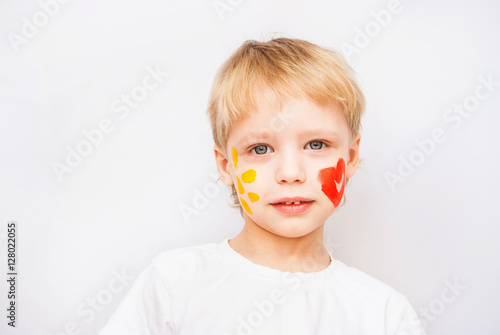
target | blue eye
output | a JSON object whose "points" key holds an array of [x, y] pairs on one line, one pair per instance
{"points": [[260, 149], [315, 145]]}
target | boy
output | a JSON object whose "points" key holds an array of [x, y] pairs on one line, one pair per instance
{"points": [[285, 117]]}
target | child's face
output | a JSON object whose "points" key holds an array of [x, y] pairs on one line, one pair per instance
{"points": [[302, 152]]}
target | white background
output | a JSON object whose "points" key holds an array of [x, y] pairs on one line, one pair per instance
{"points": [[120, 206]]}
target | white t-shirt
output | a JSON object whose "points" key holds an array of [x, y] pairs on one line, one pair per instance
{"points": [[211, 289]]}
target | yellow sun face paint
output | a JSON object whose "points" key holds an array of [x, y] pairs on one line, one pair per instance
{"points": [[245, 205], [253, 197], [234, 153], [248, 176], [241, 190]]}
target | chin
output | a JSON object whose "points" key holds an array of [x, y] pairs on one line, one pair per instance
{"points": [[291, 230]]}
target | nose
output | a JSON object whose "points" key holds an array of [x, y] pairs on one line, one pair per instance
{"points": [[290, 167]]}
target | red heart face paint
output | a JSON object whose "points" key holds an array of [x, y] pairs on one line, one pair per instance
{"points": [[331, 179]]}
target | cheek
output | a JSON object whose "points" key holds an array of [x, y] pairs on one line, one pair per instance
{"points": [[332, 181], [244, 183]]}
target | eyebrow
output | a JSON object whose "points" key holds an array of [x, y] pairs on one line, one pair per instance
{"points": [[321, 132]]}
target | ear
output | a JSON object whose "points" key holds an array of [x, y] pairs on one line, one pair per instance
{"points": [[224, 166], [353, 161]]}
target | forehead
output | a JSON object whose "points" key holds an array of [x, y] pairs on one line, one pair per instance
{"points": [[298, 116]]}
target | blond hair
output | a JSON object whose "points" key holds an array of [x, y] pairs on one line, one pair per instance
{"points": [[289, 68]]}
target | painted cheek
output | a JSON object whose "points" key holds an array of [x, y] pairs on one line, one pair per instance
{"points": [[234, 153], [240, 188], [253, 196], [247, 177], [245, 205], [332, 181]]}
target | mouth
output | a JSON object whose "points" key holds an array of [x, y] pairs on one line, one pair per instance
{"points": [[291, 201], [292, 205]]}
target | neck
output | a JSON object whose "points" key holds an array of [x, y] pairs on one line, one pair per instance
{"points": [[290, 254]]}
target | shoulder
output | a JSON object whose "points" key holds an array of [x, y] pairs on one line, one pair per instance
{"points": [[193, 253], [185, 262], [360, 284], [365, 290]]}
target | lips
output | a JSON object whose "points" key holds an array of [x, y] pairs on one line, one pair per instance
{"points": [[290, 201], [291, 206]]}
